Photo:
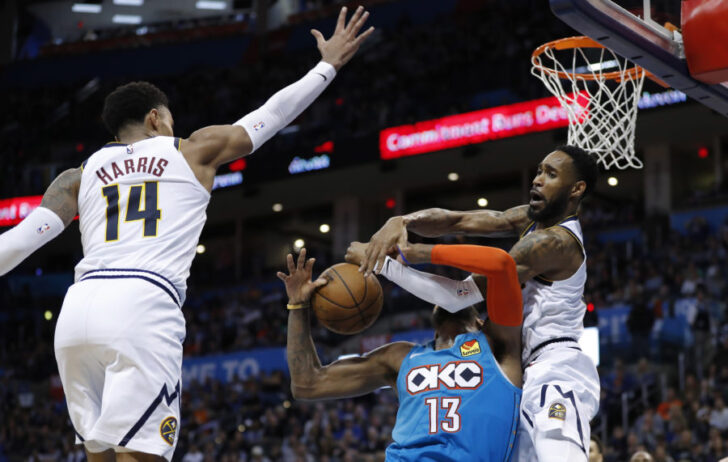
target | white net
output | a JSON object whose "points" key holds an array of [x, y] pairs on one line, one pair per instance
{"points": [[599, 92]]}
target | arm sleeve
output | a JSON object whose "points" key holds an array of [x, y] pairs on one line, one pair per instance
{"points": [[283, 107], [504, 299], [40, 227], [448, 294]]}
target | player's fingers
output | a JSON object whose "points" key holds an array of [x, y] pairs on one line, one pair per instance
{"points": [[341, 21], [372, 253], [281, 276], [291, 266], [359, 24], [365, 261], [359, 40], [309, 264], [301, 259], [380, 262], [318, 36], [320, 282], [354, 19]]}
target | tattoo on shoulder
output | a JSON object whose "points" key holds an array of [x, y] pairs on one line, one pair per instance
{"points": [[540, 245], [62, 195]]}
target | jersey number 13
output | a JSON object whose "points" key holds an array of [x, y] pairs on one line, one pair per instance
{"points": [[150, 214]]}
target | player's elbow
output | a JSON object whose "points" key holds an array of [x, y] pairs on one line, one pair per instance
{"points": [[503, 261], [304, 392]]}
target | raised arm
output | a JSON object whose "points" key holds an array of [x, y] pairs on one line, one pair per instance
{"points": [[208, 148], [56, 211], [439, 222], [348, 377]]}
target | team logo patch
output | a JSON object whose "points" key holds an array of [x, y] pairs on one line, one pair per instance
{"points": [[168, 430], [258, 126], [557, 411], [469, 348]]}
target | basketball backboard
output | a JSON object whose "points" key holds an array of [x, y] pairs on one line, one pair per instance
{"points": [[634, 29]]}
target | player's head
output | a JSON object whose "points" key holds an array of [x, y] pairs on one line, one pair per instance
{"points": [[461, 321], [596, 449], [137, 104], [563, 179]]}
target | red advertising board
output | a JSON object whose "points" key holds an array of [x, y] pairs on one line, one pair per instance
{"points": [[13, 211], [473, 127]]}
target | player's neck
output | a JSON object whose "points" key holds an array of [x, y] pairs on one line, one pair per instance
{"points": [[134, 134], [445, 335], [570, 211]]}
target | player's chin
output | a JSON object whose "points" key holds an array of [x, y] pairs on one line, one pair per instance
{"points": [[535, 207]]}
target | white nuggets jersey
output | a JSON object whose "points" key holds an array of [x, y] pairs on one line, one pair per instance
{"points": [[141, 208], [554, 309]]}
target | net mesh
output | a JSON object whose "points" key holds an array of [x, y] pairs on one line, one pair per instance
{"points": [[600, 92]]}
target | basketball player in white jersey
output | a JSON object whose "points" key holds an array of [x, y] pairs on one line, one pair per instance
{"points": [[141, 203], [561, 384]]}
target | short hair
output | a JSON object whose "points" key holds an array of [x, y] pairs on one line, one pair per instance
{"points": [[585, 165], [464, 316], [598, 442], [130, 103]]}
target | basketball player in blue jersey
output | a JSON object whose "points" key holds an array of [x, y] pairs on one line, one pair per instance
{"points": [[459, 394], [561, 384], [141, 203]]}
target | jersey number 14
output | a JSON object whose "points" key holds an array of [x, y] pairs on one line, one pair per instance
{"points": [[150, 214]]}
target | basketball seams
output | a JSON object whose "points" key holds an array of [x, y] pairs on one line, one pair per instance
{"points": [[367, 321], [346, 286], [319, 294]]}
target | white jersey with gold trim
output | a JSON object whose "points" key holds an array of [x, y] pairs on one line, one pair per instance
{"points": [[554, 309], [141, 208]]}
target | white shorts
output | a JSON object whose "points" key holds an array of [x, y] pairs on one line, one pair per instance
{"points": [[560, 397], [118, 345]]}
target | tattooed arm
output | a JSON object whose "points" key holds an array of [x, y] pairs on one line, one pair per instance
{"points": [[552, 253], [59, 206], [343, 378], [62, 195], [438, 222]]}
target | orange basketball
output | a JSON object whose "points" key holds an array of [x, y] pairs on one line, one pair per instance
{"points": [[350, 302]]}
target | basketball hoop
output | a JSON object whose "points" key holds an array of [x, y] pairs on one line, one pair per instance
{"points": [[601, 106]]}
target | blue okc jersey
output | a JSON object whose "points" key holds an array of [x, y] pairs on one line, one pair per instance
{"points": [[454, 405]]}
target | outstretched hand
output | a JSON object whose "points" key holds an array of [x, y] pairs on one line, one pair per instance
{"points": [[384, 242], [342, 46], [299, 286]]}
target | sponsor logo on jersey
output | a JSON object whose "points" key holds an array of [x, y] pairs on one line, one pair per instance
{"points": [[456, 375], [258, 126], [557, 411], [469, 348], [168, 430], [43, 229]]}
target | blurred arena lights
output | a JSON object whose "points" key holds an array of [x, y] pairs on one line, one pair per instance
{"points": [[453, 176], [390, 203], [298, 244], [277, 207], [86, 8], [482, 202], [201, 249], [129, 2], [612, 181], [703, 152], [590, 307], [324, 228], [211, 5], [126, 19], [48, 315]]}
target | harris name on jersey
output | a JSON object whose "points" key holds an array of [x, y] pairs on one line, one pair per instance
{"points": [[111, 171]]}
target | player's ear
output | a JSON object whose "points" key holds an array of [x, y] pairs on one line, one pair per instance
{"points": [[578, 190], [154, 118]]}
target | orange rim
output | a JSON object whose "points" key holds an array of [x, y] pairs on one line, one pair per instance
{"points": [[583, 42]]}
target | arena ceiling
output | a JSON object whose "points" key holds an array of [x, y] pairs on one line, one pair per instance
{"points": [[66, 17]]}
